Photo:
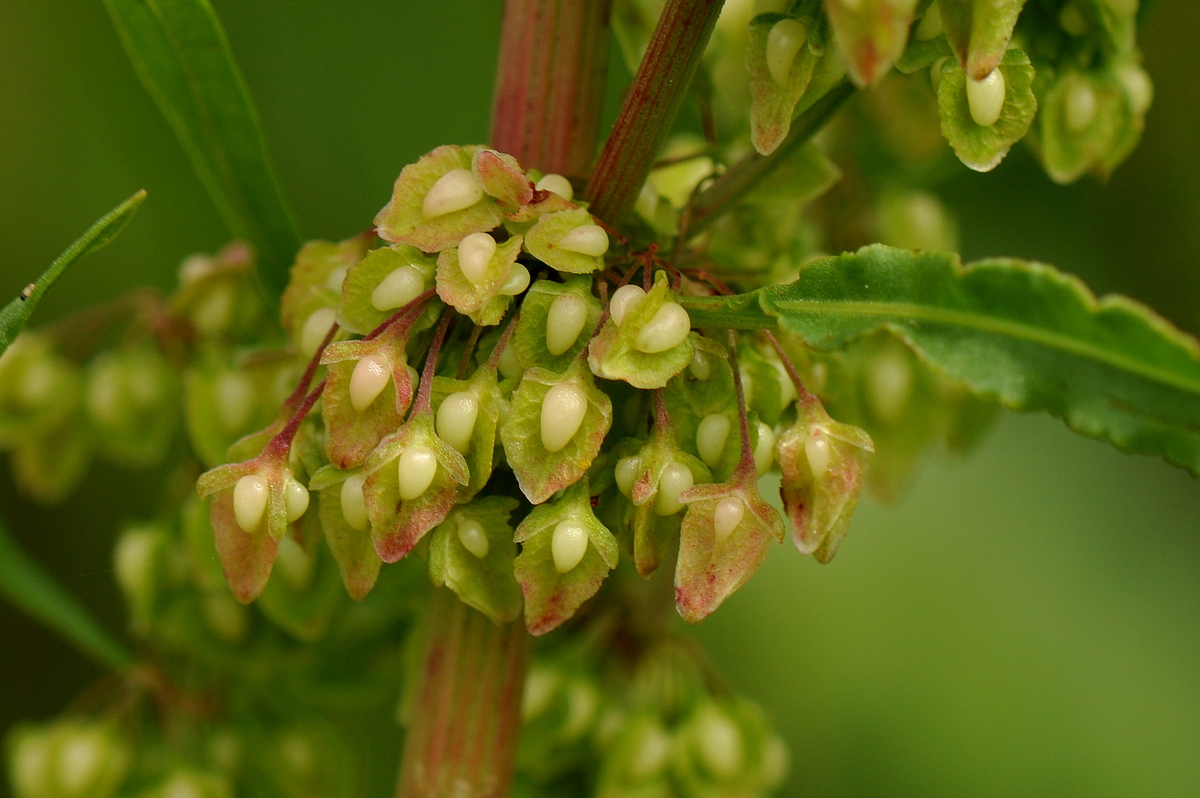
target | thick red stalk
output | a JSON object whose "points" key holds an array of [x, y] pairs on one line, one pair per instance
{"points": [[466, 714], [550, 83], [651, 105]]}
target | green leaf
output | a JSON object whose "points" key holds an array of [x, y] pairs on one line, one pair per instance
{"points": [[182, 57], [17, 312], [1024, 333], [27, 586]]}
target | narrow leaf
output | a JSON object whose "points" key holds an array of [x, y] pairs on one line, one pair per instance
{"points": [[1024, 333], [17, 312], [30, 588], [181, 55]]}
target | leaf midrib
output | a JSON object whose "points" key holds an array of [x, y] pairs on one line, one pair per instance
{"points": [[991, 324]]}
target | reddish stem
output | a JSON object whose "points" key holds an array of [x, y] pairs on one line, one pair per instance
{"points": [[746, 463], [802, 393], [651, 105], [550, 83], [425, 392]]}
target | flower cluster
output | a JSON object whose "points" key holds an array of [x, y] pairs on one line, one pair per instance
{"points": [[566, 411]]}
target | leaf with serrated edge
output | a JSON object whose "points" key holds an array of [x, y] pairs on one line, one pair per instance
{"points": [[17, 312], [983, 148], [402, 220], [1028, 335], [550, 597], [541, 473], [486, 583]]}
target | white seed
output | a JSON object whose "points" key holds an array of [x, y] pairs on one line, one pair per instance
{"points": [[316, 327], [80, 761], [650, 755], [726, 516], [556, 184], [816, 449], [675, 479], [475, 252], [510, 364], [1138, 88], [623, 302], [1080, 106], [588, 239], [400, 287], [711, 435], [931, 24], [700, 366], [720, 742], [666, 330], [250, 501], [416, 468], [889, 383], [563, 410], [336, 279], [784, 41], [354, 504], [367, 381], [518, 280], [985, 98], [568, 545], [626, 473], [295, 500], [235, 400], [454, 191], [565, 321], [764, 450], [456, 418], [473, 538]]}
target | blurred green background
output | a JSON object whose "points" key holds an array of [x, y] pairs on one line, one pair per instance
{"points": [[1025, 623]]}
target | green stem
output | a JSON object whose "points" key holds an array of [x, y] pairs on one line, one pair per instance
{"points": [[746, 173], [466, 716], [27, 586], [650, 106], [550, 83]]}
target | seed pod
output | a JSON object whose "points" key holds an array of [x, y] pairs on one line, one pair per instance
{"points": [[724, 538], [555, 429], [983, 119], [645, 342], [382, 283], [413, 477], [473, 284], [569, 241], [472, 553], [456, 207], [823, 464], [565, 555], [346, 527], [368, 390]]}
